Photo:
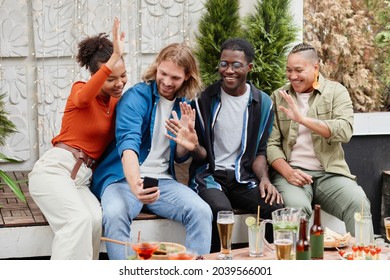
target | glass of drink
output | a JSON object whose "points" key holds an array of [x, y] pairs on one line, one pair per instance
{"points": [[225, 222], [145, 249], [129, 251], [287, 219], [364, 232], [255, 239], [283, 244], [387, 227], [187, 255]]}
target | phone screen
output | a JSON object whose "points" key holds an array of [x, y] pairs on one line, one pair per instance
{"points": [[150, 182]]}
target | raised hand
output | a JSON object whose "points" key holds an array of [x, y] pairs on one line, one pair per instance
{"points": [[187, 116], [183, 129], [292, 111], [118, 43], [118, 39]]}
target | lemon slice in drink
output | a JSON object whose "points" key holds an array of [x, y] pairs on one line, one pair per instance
{"points": [[250, 221], [358, 216]]}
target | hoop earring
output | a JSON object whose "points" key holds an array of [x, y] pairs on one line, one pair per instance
{"points": [[316, 84]]}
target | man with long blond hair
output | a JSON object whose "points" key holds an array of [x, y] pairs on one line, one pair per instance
{"points": [[143, 150]]}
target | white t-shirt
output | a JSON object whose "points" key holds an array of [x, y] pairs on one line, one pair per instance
{"points": [[157, 163], [302, 153], [228, 129]]}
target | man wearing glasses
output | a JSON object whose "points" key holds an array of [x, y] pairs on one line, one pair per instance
{"points": [[233, 121]]}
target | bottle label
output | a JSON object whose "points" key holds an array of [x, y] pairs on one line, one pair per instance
{"points": [[305, 255], [317, 246]]}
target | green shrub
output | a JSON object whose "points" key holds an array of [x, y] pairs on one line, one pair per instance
{"points": [[269, 28], [220, 21], [271, 31]]}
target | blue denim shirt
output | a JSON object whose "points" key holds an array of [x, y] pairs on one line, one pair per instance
{"points": [[135, 116]]}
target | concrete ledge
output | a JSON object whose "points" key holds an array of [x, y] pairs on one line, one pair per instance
{"points": [[375, 123], [25, 242]]}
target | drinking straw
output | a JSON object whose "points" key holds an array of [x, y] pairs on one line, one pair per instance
{"points": [[257, 224], [139, 236], [360, 225], [106, 239]]}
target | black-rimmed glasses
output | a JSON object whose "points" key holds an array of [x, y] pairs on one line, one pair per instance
{"points": [[223, 65]]}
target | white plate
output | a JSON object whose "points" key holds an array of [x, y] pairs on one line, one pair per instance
{"points": [[342, 245]]}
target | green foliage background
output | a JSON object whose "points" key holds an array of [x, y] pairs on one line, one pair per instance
{"points": [[220, 21], [271, 31], [269, 28], [6, 126]]}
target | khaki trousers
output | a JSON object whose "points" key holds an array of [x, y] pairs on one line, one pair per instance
{"points": [[72, 210], [338, 195]]}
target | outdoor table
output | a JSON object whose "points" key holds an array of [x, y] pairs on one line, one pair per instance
{"points": [[329, 254]]}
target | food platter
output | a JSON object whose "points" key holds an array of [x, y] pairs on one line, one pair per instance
{"points": [[363, 252], [334, 240], [333, 246], [165, 247], [345, 257]]}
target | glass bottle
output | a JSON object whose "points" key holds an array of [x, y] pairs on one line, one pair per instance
{"points": [[317, 235], [303, 244]]}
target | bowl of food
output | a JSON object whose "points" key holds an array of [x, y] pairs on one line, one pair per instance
{"points": [[166, 248]]}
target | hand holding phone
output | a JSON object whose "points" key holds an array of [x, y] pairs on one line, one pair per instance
{"points": [[150, 182]]}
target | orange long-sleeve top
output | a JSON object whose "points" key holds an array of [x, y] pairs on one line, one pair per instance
{"points": [[86, 123]]}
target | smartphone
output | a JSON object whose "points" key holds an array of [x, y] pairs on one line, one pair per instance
{"points": [[150, 182]]}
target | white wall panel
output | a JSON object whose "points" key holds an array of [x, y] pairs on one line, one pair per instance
{"points": [[38, 44]]}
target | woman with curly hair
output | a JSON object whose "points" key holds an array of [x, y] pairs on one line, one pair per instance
{"points": [[59, 182]]}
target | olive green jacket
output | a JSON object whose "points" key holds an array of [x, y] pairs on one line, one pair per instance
{"points": [[332, 104]]}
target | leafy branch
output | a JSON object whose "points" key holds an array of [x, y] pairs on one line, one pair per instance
{"points": [[7, 127], [7, 180]]}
